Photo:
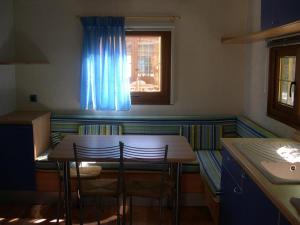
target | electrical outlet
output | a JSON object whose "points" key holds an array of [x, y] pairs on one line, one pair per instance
{"points": [[33, 98]]}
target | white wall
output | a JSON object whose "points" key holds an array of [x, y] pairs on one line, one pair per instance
{"points": [[7, 72], [256, 91], [208, 76]]}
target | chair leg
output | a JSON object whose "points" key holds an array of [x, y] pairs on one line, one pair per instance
{"points": [[118, 210], [130, 210], [80, 210], [124, 210], [98, 206], [59, 202], [160, 211]]}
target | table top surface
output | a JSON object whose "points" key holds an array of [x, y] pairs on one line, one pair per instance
{"points": [[179, 150]]}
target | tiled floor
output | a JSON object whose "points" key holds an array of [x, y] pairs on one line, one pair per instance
{"points": [[45, 214]]}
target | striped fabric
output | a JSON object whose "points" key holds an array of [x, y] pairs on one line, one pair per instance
{"points": [[229, 130], [210, 168], [151, 129], [100, 129], [248, 129], [210, 161], [55, 138], [203, 137]]}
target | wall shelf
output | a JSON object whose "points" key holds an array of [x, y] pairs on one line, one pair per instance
{"points": [[287, 29]]}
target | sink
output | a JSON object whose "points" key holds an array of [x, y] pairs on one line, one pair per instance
{"points": [[282, 171], [277, 159]]}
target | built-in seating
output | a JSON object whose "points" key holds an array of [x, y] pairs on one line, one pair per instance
{"points": [[210, 159], [204, 135]]}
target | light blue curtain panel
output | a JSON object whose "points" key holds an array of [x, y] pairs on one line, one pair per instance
{"points": [[104, 77]]}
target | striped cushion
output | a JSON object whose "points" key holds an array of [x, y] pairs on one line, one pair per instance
{"points": [[203, 137], [210, 168], [100, 129], [151, 129], [248, 129], [56, 138]]}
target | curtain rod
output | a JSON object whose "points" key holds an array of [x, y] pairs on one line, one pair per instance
{"points": [[142, 17]]}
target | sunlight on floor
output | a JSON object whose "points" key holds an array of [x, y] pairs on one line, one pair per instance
{"points": [[13, 220], [37, 220]]}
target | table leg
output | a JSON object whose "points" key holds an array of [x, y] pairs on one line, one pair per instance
{"points": [[178, 193], [67, 191]]}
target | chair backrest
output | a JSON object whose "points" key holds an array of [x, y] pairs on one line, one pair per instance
{"points": [[147, 155], [109, 153], [155, 156]]}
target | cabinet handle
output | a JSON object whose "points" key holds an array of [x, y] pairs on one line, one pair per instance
{"points": [[243, 175], [237, 190], [292, 84]]}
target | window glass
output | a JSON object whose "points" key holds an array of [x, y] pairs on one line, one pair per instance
{"points": [[144, 63], [149, 66], [286, 90]]}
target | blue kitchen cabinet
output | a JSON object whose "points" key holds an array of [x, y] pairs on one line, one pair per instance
{"points": [[17, 167], [242, 202], [278, 12], [232, 212], [283, 220], [24, 136], [261, 208], [267, 14]]}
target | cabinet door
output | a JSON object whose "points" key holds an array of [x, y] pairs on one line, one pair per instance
{"points": [[17, 168], [267, 14], [231, 165], [283, 220], [278, 12], [260, 208], [231, 212], [287, 11]]}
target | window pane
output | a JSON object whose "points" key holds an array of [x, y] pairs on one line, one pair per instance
{"points": [[144, 63], [286, 77]]}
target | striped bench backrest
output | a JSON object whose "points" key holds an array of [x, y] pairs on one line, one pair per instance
{"points": [[247, 129], [203, 137], [208, 136], [100, 129]]}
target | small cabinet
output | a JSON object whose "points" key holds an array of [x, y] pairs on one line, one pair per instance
{"points": [[24, 136], [278, 12], [283, 220]]}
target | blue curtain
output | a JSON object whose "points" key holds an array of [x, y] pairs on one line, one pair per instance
{"points": [[104, 78]]}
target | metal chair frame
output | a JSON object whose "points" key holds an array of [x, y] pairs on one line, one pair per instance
{"points": [[157, 156], [111, 153]]}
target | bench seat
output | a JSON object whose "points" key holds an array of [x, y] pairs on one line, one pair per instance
{"points": [[42, 163], [210, 162]]}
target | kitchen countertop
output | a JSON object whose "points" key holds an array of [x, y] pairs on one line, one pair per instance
{"points": [[22, 117], [279, 194]]}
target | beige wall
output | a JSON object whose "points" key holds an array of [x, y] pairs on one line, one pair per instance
{"points": [[208, 77], [7, 72], [256, 91]]}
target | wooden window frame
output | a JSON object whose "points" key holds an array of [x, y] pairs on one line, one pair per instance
{"points": [[283, 113], [164, 96]]}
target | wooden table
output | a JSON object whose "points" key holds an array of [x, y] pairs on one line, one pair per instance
{"points": [[179, 151]]}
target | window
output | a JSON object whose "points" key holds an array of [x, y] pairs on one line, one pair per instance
{"points": [[284, 94], [149, 66]]}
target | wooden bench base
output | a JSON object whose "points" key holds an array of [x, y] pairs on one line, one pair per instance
{"points": [[48, 181]]}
